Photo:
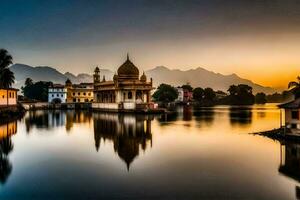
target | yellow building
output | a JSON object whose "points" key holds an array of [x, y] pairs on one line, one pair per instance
{"points": [[7, 130], [79, 93], [8, 97]]}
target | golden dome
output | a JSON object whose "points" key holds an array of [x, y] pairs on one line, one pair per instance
{"points": [[128, 70]]}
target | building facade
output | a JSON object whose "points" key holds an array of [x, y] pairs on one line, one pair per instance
{"points": [[57, 93], [79, 93], [127, 90], [8, 97], [184, 95], [292, 117]]}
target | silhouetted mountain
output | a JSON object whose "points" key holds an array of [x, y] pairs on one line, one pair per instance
{"points": [[45, 73], [198, 77]]}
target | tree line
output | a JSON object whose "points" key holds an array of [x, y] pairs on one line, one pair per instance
{"points": [[240, 94]]}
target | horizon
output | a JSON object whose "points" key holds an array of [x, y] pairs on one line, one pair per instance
{"points": [[239, 37], [155, 67]]}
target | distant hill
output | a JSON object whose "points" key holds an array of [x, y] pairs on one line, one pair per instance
{"points": [[45, 73], [198, 77], [201, 77]]}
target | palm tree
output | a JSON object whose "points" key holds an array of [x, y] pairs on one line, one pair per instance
{"points": [[295, 85], [28, 82], [7, 77]]}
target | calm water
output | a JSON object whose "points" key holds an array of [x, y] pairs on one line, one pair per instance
{"points": [[190, 154]]}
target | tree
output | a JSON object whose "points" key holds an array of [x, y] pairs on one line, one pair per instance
{"points": [[37, 91], [187, 87], [295, 87], [198, 94], [209, 94], [260, 98], [7, 77], [165, 93], [28, 82], [240, 95]]}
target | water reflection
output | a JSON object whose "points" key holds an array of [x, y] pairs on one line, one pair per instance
{"points": [[128, 133], [56, 118], [204, 115], [77, 117], [6, 147], [44, 120], [240, 115], [290, 162]]}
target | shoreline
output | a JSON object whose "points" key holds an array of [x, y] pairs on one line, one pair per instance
{"points": [[277, 134]]}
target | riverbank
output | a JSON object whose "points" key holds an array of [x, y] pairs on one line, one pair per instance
{"points": [[11, 112], [278, 134], [92, 106]]}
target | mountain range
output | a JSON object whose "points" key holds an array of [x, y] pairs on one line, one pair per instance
{"points": [[198, 77]]}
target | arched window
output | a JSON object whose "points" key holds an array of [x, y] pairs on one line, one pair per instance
{"points": [[129, 95]]}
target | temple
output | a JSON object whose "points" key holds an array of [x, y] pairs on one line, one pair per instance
{"points": [[128, 91]]}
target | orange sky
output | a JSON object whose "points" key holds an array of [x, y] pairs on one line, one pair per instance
{"points": [[257, 39]]}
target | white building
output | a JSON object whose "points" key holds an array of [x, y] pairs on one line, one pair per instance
{"points": [[57, 94], [180, 94]]}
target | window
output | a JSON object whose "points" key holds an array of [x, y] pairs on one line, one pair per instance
{"points": [[293, 126], [78, 93], [124, 95], [89, 94], [129, 95], [3, 96], [61, 95], [84, 93], [295, 114], [10, 95], [74, 100], [52, 95], [73, 93], [57, 95]]}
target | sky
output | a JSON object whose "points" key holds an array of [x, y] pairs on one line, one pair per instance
{"points": [[256, 39]]}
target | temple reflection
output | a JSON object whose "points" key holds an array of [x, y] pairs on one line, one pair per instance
{"points": [[6, 147], [129, 133], [290, 162]]}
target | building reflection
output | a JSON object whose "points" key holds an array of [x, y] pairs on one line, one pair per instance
{"points": [[6, 147], [290, 162], [73, 117], [55, 118], [129, 133], [187, 113], [44, 120]]}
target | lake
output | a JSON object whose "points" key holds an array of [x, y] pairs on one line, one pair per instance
{"points": [[206, 153]]}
